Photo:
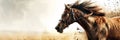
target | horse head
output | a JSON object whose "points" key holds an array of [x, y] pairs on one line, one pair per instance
{"points": [[70, 16], [66, 19]]}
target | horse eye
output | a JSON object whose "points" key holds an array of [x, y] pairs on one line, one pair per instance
{"points": [[62, 20]]}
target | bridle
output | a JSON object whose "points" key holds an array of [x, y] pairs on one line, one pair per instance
{"points": [[72, 14]]}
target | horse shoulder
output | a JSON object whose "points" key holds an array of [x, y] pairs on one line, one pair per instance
{"points": [[114, 27]]}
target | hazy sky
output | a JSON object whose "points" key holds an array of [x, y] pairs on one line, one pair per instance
{"points": [[35, 15]]}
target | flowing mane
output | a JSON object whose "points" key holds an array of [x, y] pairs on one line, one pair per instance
{"points": [[86, 7]]}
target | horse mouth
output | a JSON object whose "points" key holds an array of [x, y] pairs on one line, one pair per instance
{"points": [[59, 29]]}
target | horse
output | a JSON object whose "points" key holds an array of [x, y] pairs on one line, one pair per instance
{"points": [[96, 25], [95, 9]]}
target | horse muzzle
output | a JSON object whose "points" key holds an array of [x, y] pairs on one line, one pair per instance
{"points": [[60, 30]]}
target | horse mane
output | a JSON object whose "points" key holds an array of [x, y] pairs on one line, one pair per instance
{"points": [[86, 8]]}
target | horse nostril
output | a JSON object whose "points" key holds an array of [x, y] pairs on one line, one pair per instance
{"points": [[56, 28], [59, 29]]}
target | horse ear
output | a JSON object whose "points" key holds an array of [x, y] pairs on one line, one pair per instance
{"points": [[76, 3], [67, 7]]}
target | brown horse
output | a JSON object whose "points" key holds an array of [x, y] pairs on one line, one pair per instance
{"points": [[96, 25], [84, 7]]}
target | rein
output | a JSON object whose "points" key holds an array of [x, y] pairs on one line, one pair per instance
{"points": [[72, 15]]}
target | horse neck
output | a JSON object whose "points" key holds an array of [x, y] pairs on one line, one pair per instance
{"points": [[87, 27], [83, 21]]}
